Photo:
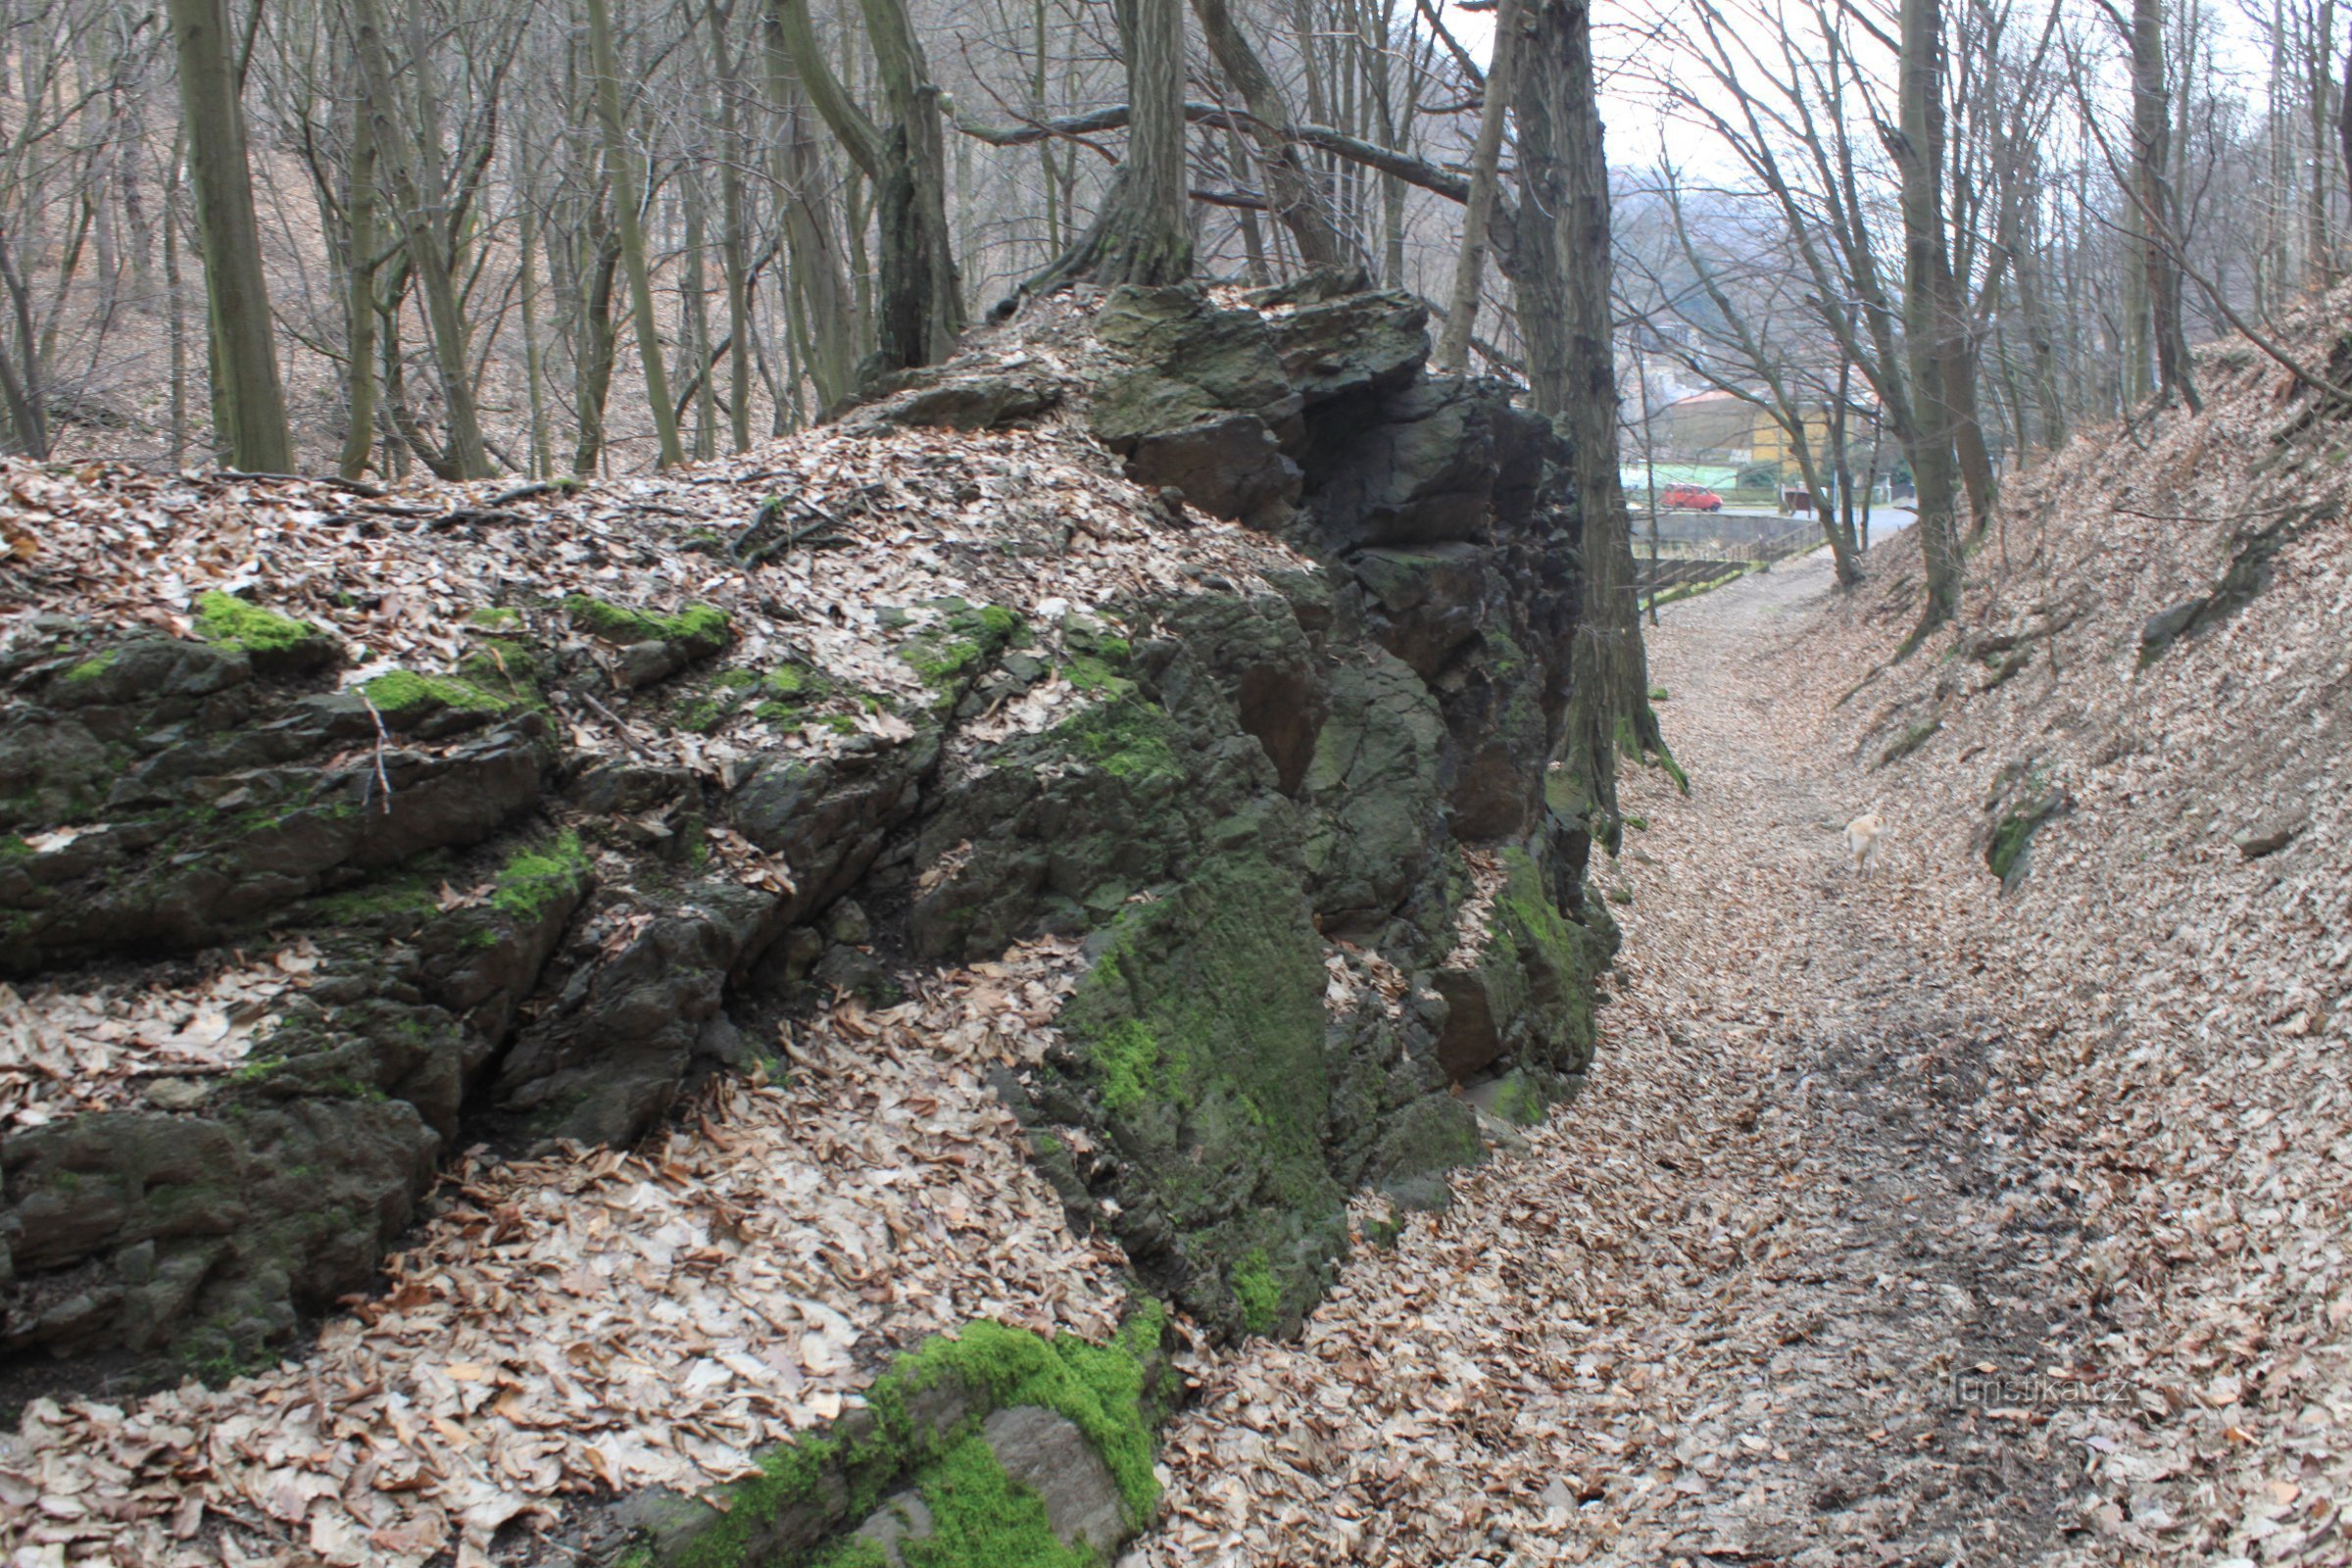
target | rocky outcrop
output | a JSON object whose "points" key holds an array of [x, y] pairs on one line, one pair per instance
{"points": [[1252, 788]]}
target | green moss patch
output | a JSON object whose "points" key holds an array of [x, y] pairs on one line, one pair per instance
{"points": [[1258, 1291], [2013, 834], [539, 876], [404, 697], [964, 640], [979, 1514], [702, 629], [1201, 1029], [1125, 736], [276, 643], [1911, 740]]}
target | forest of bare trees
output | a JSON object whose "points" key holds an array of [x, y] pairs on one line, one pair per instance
{"points": [[494, 237]]}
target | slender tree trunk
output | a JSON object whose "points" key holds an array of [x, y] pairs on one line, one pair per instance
{"points": [[252, 400], [595, 360], [2151, 153], [816, 278], [1486, 157], [733, 245], [534, 354], [621, 161], [696, 361], [1291, 185], [176, 304], [466, 455], [2320, 262], [1919, 157], [358, 300]]}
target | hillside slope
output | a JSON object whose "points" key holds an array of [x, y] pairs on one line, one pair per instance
{"points": [[939, 873], [2140, 723]]}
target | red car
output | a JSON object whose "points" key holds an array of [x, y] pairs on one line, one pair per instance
{"points": [[1689, 498]]}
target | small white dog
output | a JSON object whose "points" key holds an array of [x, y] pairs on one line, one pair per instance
{"points": [[1862, 840]]}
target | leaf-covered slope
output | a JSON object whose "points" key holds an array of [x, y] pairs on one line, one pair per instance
{"points": [[2141, 722]]}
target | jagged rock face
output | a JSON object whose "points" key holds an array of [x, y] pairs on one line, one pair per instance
{"points": [[1212, 1092], [1256, 793]]}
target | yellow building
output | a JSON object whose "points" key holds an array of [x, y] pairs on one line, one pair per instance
{"points": [[1722, 427]]}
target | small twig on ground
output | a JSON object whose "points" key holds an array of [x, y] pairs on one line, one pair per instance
{"points": [[628, 737], [524, 492], [474, 516], [349, 486], [383, 739]]}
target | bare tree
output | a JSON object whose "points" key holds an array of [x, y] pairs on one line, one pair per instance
{"points": [[249, 398]]}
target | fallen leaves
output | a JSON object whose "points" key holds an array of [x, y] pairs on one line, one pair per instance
{"points": [[596, 1321], [63, 1050]]}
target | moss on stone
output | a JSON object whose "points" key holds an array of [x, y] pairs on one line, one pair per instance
{"points": [[1127, 1058], [1101, 1389], [2006, 850], [93, 667], [403, 695], [1911, 740], [1202, 1027], [964, 640], [539, 876], [1125, 736], [979, 1514], [1258, 1292], [1519, 1103], [701, 627], [401, 901], [496, 617], [504, 667], [231, 623]]}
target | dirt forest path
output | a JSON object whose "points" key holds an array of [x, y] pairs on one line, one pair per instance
{"points": [[1713, 1311]]}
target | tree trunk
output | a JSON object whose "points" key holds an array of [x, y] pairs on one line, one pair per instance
{"points": [[1291, 185], [1918, 155], [821, 295], [465, 456], [2150, 153], [596, 359], [358, 300], [922, 298], [252, 400], [621, 165], [1486, 157], [1562, 270], [1139, 237], [733, 247]]}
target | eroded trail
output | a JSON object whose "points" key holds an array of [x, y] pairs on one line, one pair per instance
{"points": [[1714, 1310]]}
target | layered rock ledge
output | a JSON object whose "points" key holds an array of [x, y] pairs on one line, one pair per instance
{"points": [[348, 831]]}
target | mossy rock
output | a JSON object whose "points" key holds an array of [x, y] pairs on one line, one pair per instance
{"points": [[276, 644], [697, 630], [965, 640], [1201, 1030], [923, 1435], [408, 701], [2012, 837]]}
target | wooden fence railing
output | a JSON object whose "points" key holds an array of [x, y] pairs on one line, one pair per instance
{"points": [[1682, 561]]}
